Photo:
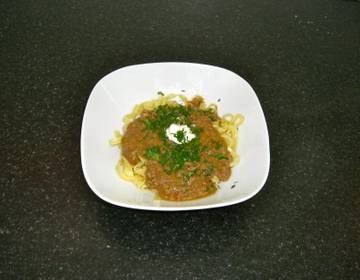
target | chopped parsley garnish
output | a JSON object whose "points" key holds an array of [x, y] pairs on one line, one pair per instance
{"points": [[204, 148], [219, 156], [160, 93], [209, 170], [196, 130], [180, 136], [153, 153], [217, 144], [173, 156], [191, 173], [166, 115]]}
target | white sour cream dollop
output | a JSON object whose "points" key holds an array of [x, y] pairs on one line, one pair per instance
{"points": [[174, 128]]}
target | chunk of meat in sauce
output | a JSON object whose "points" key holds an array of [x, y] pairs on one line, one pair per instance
{"points": [[136, 140], [196, 101]]}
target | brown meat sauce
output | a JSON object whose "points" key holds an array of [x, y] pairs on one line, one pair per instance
{"points": [[177, 186], [137, 139]]}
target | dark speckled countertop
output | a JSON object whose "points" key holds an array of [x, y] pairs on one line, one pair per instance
{"points": [[303, 60]]}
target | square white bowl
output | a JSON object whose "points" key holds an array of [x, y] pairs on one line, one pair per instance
{"points": [[117, 93]]}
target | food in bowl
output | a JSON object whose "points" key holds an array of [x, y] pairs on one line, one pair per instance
{"points": [[178, 147]]}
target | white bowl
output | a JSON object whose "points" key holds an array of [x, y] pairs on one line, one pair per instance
{"points": [[117, 93]]}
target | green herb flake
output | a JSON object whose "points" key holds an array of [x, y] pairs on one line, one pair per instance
{"points": [[204, 148], [216, 144], [160, 93], [180, 136], [153, 153], [166, 115], [196, 130], [190, 174], [209, 170], [219, 156], [149, 124]]}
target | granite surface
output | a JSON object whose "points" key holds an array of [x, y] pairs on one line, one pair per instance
{"points": [[303, 60]]}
